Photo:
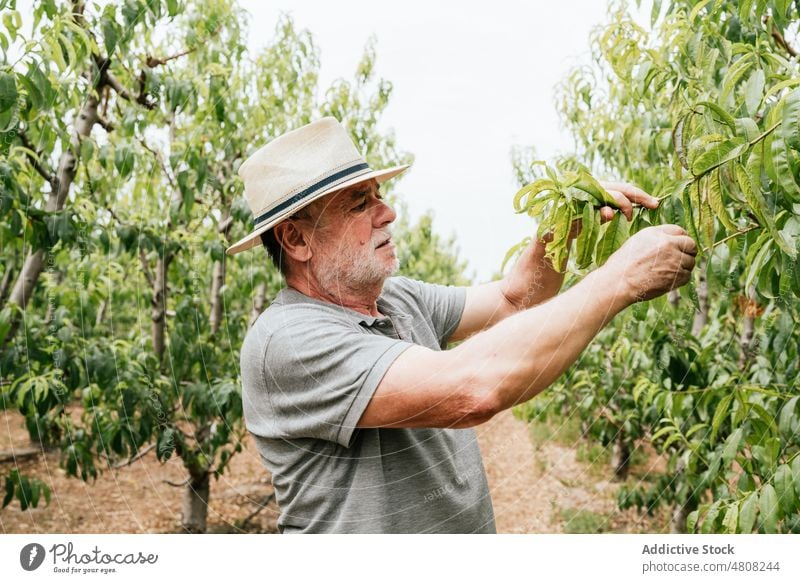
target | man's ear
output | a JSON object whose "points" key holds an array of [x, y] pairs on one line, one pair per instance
{"points": [[294, 240]]}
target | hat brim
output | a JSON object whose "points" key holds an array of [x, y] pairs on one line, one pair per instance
{"points": [[254, 238]]}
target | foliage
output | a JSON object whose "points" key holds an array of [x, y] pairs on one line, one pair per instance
{"points": [[122, 127], [703, 112]]}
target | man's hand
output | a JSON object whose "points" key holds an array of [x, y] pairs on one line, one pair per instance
{"points": [[652, 262], [625, 195]]}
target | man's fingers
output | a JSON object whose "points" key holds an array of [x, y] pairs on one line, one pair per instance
{"points": [[687, 262], [687, 245], [672, 229], [632, 193], [606, 214], [623, 203]]}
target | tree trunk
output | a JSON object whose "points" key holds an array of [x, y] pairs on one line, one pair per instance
{"points": [[258, 303], [674, 297], [621, 457], [679, 515], [4, 285], [746, 341], [101, 313], [701, 316], [67, 166], [159, 306], [195, 503], [217, 281]]}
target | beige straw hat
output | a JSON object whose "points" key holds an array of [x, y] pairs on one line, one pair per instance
{"points": [[297, 168]]}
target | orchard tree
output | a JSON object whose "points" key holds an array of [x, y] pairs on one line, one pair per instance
{"points": [[124, 125], [704, 112]]}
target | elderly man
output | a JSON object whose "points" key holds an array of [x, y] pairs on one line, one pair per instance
{"points": [[362, 416]]}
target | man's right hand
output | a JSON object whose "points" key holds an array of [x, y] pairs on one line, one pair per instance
{"points": [[652, 262]]}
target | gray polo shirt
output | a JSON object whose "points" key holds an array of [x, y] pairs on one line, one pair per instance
{"points": [[309, 369]]}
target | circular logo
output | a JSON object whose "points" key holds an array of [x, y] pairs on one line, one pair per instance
{"points": [[31, 556]]}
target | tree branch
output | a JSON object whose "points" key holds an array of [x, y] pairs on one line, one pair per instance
{"points": [[146, 269], [135, 458], [109, 79], [160, 159], [776, 34], [35, 158], [154, 62]]}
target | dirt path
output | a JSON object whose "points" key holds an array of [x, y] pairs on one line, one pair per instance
{"points": [[536, 488], [542, 488]]}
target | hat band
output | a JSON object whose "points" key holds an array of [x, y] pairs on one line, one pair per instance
{"points": [[311, 190]]}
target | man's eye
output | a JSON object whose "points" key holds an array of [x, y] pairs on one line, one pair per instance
{"points": [[361, 207]]}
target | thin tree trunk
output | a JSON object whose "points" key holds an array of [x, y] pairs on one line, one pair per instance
{"points": [[218, 278], [746, 341], [258, 303], [217, 281], [674, 297], [680, 514], [101, 313], [195, 503], [701, 316], [621, 457], [5, 284], [51, 304], [67, 166], [159, 307]]}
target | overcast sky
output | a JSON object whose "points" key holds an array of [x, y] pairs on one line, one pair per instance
{"points": [[470, 79]]}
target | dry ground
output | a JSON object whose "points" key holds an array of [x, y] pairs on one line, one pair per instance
{"points": [[537, 486]]}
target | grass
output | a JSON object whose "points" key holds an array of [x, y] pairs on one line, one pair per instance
{"points": [[579, 521]]}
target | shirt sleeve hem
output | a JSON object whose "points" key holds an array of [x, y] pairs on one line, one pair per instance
{"points": [[361, 400]]}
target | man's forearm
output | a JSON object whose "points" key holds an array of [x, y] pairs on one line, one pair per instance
{"points": [[520, 356], [533, 279]]}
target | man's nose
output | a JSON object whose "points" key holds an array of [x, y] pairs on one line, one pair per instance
{"points": [[383, 214]]}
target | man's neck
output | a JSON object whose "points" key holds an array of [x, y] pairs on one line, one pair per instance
{"points": [[363, 301]]}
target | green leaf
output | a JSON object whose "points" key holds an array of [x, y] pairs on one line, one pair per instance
{"points": [[529, 192], [720, 414], [755, 200], [719, 154], [710, 518], [615, 234], [723, 115], [731, 519], [753, 91], [714, 190], [588, 184], [747, 514], [587, 239], [109, 29], [697, 8], [8, 92], [784, 488], [796, 475], [787, 421], [768, 507], [747, 129], [732, 444], [784, 174], [790, 122]]}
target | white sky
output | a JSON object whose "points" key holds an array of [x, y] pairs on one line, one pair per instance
{"points": [[470, 80]]}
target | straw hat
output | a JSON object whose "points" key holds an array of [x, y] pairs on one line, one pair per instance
{"points": [[297, 168]]}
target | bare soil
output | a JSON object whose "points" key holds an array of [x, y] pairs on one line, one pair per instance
{"points": [[536, 488]]}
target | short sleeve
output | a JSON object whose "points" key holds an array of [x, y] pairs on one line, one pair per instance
{"points": [[444, 304], [319, 375]]}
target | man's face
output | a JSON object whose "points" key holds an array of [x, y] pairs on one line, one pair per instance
{"points": [[347, 227]]}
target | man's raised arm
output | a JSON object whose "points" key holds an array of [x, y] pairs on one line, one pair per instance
{"points": [[517, 358]]}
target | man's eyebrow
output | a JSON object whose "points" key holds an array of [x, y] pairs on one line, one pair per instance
{"points": [[359, 192]]}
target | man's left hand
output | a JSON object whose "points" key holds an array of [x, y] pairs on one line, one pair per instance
{"points": [[625, 194]]}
